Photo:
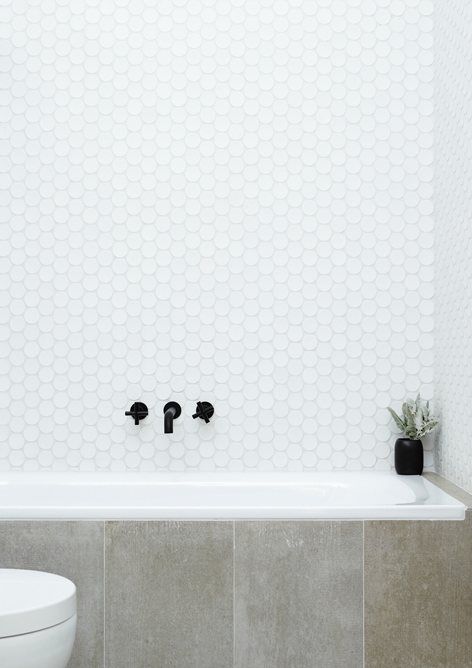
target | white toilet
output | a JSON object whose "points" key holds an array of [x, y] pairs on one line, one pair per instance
{"points": [[37, 619]]}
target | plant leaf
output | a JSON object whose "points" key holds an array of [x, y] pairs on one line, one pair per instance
{"points": [[398, 421], [428, 427], [411, 428]]}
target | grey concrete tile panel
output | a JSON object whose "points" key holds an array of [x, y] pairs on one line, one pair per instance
{"points": [[418, 594], [298, 595], [169, 594], [71, 549]]}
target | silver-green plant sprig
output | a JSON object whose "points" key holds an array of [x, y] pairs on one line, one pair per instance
{"points": [[416, 420]]}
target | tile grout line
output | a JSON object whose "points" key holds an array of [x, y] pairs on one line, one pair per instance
{"points": [[363, 593], [104, 597], [234, 596]]}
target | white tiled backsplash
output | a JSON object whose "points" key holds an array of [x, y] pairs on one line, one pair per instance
{"points": [[225, 200], [453, 211]]}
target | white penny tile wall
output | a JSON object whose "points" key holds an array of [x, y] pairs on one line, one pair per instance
{"points": [[453, 195], [226, 200]]}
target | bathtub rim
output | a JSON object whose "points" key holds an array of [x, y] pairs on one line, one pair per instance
{"points": [[451, 508]]}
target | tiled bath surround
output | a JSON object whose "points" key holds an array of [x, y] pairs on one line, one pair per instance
{"points": [[453, 216], [260, 593], [214, 199], [74, 550]]}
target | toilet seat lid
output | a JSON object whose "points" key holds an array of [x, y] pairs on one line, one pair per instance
{"points": [[33, 600]]}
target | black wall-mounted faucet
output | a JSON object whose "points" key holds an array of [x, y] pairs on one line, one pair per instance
{"points": [[138, 411], [172, 411]]}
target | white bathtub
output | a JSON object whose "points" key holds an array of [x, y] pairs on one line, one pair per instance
{"points": [[336, 495]]}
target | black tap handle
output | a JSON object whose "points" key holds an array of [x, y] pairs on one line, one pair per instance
{"points": [[138, 411], [204, 411]]}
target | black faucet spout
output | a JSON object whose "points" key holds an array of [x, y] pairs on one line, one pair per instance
{"points": [[172, 410]]}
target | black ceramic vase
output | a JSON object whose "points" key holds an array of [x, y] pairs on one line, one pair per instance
{"points": [[408, 456]]}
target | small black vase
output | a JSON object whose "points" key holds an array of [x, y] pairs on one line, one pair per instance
{"points": [[408, 456]]}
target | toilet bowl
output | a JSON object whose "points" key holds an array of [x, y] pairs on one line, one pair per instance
{"points": [[37, 619]]}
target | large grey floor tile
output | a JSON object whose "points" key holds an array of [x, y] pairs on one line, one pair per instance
{"points": [[418, 594], [169, 594], [298, 595], [72, 549]]}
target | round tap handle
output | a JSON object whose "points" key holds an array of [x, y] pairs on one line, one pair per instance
{"points": [[138, 411], [204, 411]]}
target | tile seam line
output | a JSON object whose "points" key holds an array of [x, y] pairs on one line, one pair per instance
{"points": [[104, 596], [363, 593], [234, 595]]}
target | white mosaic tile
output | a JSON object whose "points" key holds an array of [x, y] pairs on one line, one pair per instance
{"points": [[453, 212], [220, 200]]}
